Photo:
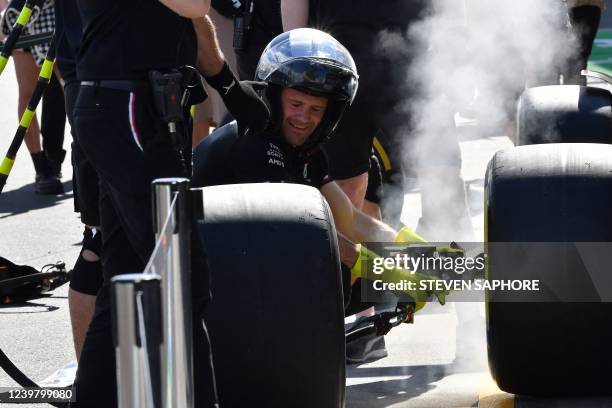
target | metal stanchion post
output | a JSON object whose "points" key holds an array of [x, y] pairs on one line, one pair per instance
{"points": [[137, 337], [177, 349]]}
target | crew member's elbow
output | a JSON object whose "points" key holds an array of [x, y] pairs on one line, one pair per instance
{"points": [[205, 7], [197, 9]]}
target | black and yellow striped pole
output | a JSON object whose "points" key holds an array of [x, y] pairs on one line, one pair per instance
{"points": [[43, 80], [11, 40]]}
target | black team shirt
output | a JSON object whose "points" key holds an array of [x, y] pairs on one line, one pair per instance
{"points": [[124, 39], [357, 24], [68, 32], [227, 157]]}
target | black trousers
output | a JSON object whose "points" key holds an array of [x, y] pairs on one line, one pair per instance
{"points": [[127, 144], [84, 177], [53, 120]]}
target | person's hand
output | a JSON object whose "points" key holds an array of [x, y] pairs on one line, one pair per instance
{"points": [[453, 250], [242, 99], [408, 236], [424, 285], [418, 286]]}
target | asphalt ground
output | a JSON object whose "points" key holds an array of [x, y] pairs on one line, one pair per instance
{"points": [[36, 230], [438, 362]]}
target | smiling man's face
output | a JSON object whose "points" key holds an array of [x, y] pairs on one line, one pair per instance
{"points": [[302, 113]]}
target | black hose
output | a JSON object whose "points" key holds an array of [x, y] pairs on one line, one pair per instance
{"points": [[20, 378], [354, 334], [379, 324], [33, 278]]}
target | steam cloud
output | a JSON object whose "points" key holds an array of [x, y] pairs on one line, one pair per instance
{"points": [[477, 54], [496, 47]]}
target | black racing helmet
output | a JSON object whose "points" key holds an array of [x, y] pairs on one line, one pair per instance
{"points": [[315, 63]]}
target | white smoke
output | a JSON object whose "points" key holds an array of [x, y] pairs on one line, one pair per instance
{"points": [[476, 54], [492, 47]]}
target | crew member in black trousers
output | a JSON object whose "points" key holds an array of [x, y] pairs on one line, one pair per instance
{"points": [[125, 139]]}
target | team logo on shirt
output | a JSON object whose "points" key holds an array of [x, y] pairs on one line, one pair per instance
{"points": [[305, 174], [275, 156], [229, 87]]}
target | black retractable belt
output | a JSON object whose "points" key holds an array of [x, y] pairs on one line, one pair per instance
{"points": [[27, 41]]}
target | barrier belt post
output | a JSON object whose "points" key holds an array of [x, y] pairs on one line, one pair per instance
{"points": [[177, 348], [136, 309]]}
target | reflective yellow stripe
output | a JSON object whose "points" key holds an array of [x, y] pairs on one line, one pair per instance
{"points": [[486, 214], [490, 396], [24, 16], [6, 166], [3, 62], [26, 119], [47, 69], [381, 152], [486, 247], [192, 110]]}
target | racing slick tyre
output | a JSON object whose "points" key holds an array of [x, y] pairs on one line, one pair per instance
{"points": [[276, 319], [564, 114], [548, 204]]}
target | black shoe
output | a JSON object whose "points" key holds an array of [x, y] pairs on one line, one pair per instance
{"points": [[366, 349], [55, 161], [45, 182], [48, 185]]}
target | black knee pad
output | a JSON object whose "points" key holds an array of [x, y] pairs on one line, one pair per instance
{"points": [[92, 240], [86, 277]]}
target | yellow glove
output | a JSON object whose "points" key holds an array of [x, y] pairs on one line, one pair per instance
{"points": [[408, 236], [453, 250], [365, 266]]}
